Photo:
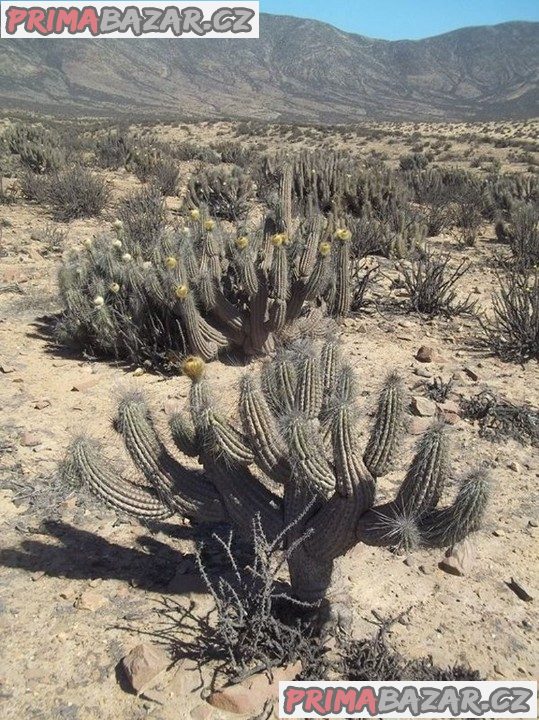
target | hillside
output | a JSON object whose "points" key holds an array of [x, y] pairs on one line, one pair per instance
{"points": [[299, 70]]}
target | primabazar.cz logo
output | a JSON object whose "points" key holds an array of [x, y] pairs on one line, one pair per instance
{"points": [[71, 19], [404, 699]]}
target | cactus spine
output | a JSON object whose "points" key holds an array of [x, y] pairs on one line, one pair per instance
{"points": [[327, 491]]}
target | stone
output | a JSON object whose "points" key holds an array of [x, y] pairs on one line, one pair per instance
{"points": [[421, 372], [42, 404], [201, 712], [30, 439], [90, 600], [450, 406], [514, 466], [237, 699], [143, 666], [6, 369], [84, 385], [423, 407], [519, 590], [419, 425], [471, 374], [427, 354], [458, 559], [450, 418]]}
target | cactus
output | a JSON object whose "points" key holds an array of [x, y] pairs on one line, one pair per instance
{"points": [[315, 497], [196, 290]]}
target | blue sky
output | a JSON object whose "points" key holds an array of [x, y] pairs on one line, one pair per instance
{"points": [[397, 19]]}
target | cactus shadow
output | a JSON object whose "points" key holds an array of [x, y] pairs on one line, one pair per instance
{"points": [[82, 555], [43, 330]]}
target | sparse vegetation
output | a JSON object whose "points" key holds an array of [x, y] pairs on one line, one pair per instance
{"points": [[75, 193], [430, 281], [512, 332]]}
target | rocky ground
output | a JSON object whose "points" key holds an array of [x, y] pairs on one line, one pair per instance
{"points": [[80, 588]]}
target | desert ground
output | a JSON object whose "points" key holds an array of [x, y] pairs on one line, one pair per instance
{"points": [[80, 586]]}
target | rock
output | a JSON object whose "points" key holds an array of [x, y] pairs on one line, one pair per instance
{"points": [[237, 699], [519, 590], [143, 666], [201, 712], [423, 406], [421, 372], [42, 404], [30, 439], [450, 418], [90, 600], [450, 406], [471, 374], [419, 425], [83, 385], [427, 354], [138, 372], [514, 466], [6, 369], [458, 559]]}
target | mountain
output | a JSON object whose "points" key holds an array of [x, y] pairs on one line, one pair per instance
{"points": [[299, 70]]}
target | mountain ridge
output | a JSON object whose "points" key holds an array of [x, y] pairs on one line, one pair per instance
{"points": [[299, 70]]}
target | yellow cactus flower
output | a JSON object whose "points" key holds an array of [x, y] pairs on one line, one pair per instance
{"points": [[343, 234], [171, 263], [279, 239], [209, 225], [193, 367], [242, 242], [195, 214], [181, 292], [324, 248]]}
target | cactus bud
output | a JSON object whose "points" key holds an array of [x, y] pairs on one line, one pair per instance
{"points": [[209, 225], [88, 243], [171, 263], [127, 257], [181, 292], [279, 239], [117, 225], [195, 214], [114, 288], [117, 243], [99, 301], [324, 248], [147, 264], [242, 242], [193, 366], [343, 234]]}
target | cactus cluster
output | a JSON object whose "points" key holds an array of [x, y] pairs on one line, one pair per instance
{"points": [[36, 148], [293, 461], [374, 200], [152, 295], [225, 192]]}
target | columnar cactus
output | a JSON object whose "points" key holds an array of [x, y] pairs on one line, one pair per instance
{"points": [[294, 462], [198, 289]]}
